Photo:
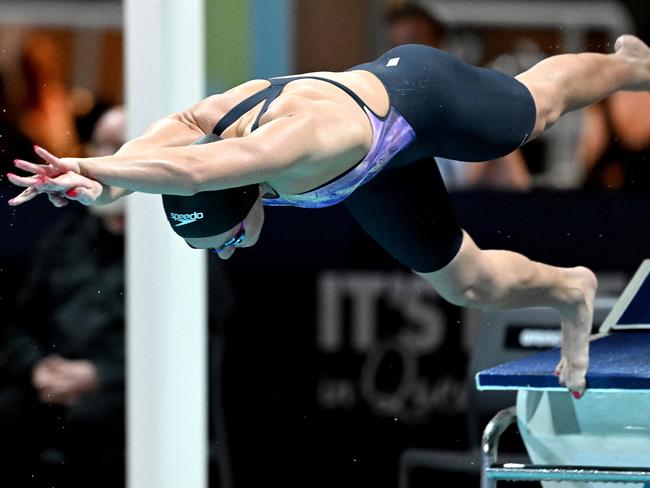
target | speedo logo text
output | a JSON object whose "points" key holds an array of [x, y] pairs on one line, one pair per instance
{"points": [[184, 219]]}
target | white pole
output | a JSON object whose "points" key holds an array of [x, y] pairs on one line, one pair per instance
{"points": [[166, 281]]}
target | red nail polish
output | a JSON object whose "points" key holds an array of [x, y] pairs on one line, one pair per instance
{"points": [[576, 395], [72, 192]]}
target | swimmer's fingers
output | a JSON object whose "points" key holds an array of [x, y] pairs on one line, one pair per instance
{"points": [[56, 166], [61, 183], [57, 199], [25, 196], [85, 196], [37, 169], [24, 181], [74, 186]]}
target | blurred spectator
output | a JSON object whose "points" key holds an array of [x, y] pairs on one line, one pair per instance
{"points": [[413, 24], [62, 359], [109, 133], [615, 145], [62, 365], [48, 115]]}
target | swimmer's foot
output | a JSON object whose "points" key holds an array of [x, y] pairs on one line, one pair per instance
{"points": [[577, 316], [637, 52]]}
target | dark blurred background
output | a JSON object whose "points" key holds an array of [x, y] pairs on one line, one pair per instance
{"points": [[367, 363]]}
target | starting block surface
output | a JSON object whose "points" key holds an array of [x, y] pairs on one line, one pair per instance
{"points": [[620, 361]]}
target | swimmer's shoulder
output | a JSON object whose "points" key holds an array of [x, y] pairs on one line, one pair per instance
{"points": [[363, 83], [211, 109]]}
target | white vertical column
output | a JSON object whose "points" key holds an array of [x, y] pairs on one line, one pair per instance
{"points": [[166, 280]]}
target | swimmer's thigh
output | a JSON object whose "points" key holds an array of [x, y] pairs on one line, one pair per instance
{"points": [[408, 212], [457, 110]]}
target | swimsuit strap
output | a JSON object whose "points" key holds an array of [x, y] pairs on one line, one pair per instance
{"points": [[244, 106], [272, 93], [287, 79], [269, 94]]}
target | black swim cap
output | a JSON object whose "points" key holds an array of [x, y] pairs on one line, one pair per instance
{"points": [[209, 213]]}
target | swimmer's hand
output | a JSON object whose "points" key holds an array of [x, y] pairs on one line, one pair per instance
{"points": [[60, 179]]}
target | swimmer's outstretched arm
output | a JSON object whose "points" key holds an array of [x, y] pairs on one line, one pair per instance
{"points": [[179, 129], [181, 170], [176, 130], [188, 169]]}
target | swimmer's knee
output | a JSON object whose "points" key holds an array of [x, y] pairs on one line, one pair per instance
{"points": [[478, 293], [465, 281], [466, 297], [549, 106]]}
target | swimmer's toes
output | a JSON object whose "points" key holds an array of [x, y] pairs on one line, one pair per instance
{"points": [[575, 379], [560, 366], [631, 45]]}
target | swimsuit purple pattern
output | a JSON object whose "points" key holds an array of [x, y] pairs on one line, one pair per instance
{"points": [[390, 134]]}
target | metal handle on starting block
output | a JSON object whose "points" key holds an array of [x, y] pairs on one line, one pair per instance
{"points": [[491, 472]]}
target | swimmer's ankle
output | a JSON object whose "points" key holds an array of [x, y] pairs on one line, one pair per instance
{"points": [[577, 291]]}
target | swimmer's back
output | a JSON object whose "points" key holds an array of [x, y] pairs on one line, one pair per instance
{"points": [[302, 95], [340, 133]]}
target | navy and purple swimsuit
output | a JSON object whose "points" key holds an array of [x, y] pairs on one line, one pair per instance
{"points": [[439, 106]]}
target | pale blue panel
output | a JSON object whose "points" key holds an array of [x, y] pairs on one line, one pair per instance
{"points": [[271, 42]]}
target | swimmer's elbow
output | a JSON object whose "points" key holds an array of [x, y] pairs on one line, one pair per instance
{"points": [[239, 164], [180, 176], [192, 183]]}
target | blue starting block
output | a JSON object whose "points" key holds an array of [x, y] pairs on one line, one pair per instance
{"points": [[605, 436]]}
